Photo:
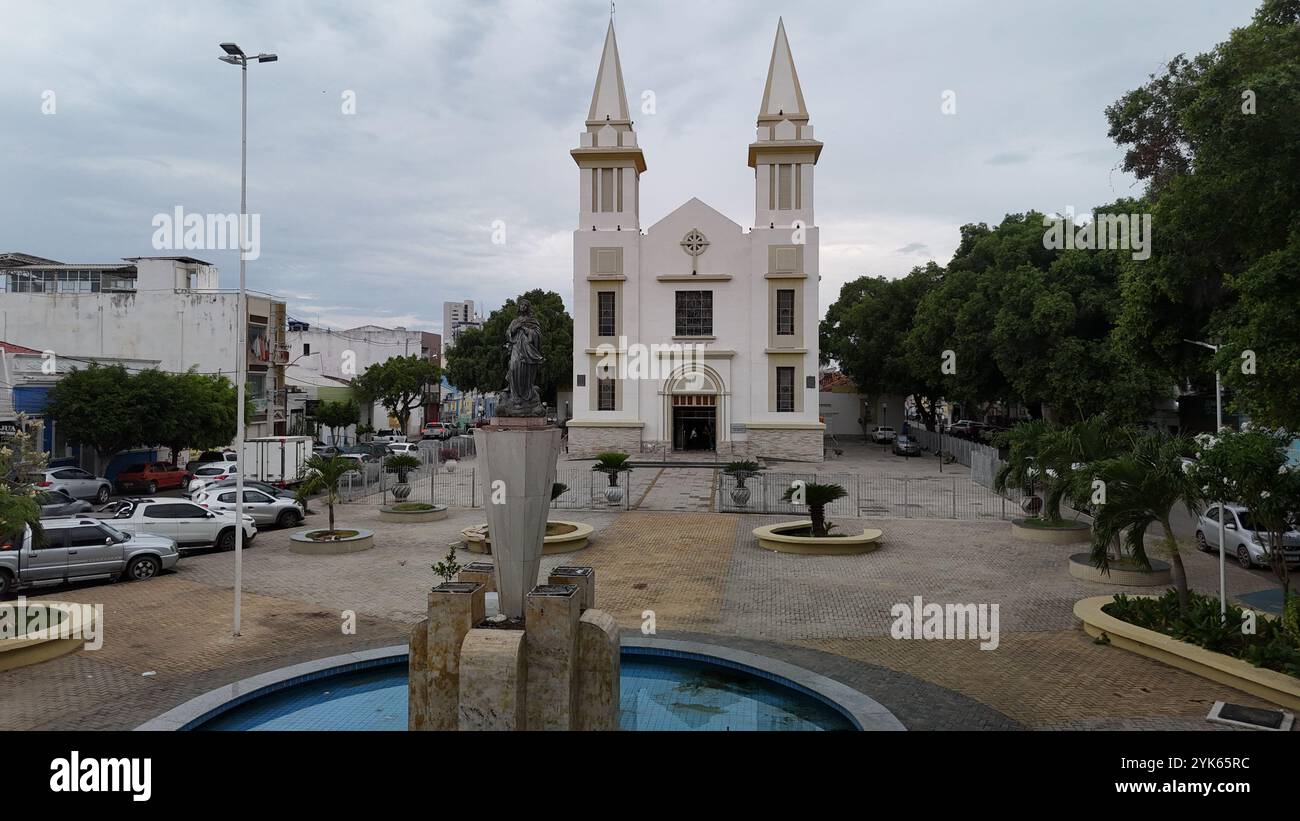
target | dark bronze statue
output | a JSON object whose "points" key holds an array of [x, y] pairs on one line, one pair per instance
{"points": [[524, 337]]}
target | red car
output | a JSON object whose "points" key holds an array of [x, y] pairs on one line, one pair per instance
{"points": [[152, 477]]}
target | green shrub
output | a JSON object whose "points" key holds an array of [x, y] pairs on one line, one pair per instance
{"points": [[1271, 646]]}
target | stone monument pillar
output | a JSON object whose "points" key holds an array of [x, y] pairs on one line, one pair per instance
{"points": [[516, 470]]}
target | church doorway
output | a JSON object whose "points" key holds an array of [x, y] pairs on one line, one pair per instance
{"points": [[695, 423]]}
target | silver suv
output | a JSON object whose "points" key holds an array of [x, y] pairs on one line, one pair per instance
{"points": [[76, 482], [81, 549]]}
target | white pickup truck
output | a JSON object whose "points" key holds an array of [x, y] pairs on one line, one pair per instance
{"points": [[187, 523]]}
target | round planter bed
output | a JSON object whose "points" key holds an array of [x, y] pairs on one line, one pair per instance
{"points": [[412, 513], [787, 537], [65, 628], [1065, 533], [358, 540], [1269, 685], [561, 537], [1121, 573]]}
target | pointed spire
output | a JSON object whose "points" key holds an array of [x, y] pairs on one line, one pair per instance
{"points": [[782, 96], [609, 100]]}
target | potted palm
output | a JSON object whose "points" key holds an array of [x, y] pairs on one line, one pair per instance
{"points": [[322, 475], [813, 535], [740, 470], [612, 463], [401, 464], [816, 497]]}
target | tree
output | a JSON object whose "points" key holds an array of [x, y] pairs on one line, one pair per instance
{"points": [[322, 476], [863, 332], [399, 384], [185, 410], [480, 358], [1252, 468], [1142, 486], [1217, 139], [335, 415], [816, 496], [20, 459], [111, 410], [96, 407]]}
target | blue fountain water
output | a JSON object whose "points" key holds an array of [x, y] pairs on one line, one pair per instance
{"points": [[658, 693]]}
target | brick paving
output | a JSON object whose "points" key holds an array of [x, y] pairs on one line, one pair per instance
{"points": [[700, 573]]}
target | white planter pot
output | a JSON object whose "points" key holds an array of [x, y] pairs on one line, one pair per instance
{"points": [[740, 495], [401, 491], [450, 465], [613, 495]]}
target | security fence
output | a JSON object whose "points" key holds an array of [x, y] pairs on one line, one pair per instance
{"points": [[458, 485], [937, 497]]}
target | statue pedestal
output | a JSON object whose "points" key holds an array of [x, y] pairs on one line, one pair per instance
{"points": [[559, 670], [516, 470]]}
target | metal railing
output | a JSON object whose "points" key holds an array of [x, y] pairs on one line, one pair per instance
{"points": [[937, 497]]}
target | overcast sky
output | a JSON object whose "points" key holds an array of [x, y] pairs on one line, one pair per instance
{"points": [[466, 111]]}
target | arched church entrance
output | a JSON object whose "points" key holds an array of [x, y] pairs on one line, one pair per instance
{"points": [[694, 411]]}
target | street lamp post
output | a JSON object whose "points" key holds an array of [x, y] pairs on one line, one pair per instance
{"points": [[1218, 428], [235, 56]]}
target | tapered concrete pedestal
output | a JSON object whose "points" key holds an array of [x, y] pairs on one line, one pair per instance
{"points": [[516, 471]]}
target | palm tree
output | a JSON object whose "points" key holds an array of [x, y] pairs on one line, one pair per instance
{"points": [[1142, 486], [742, 469], [1055, 458], [611, 464], [323, 475], [401, 464], [816, 497]]}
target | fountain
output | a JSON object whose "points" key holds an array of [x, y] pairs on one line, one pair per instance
{"points": [[549, 660]]}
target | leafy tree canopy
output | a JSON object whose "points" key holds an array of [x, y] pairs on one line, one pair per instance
{"points": [[480, 358]]}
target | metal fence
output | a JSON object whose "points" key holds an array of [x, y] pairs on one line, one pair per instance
{"points": [[458, 485], [937, 497]]}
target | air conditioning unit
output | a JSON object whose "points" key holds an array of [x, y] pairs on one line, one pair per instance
{"points": [[281, 355]]}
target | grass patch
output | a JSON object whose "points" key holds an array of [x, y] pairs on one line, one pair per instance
{"points": [[412, 507]]}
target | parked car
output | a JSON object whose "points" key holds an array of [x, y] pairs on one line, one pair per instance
{"points": [[403, 447], [81, 549], [208, 474], [375, 449], [1243, 541], [211, 457], [882, 434], [326, 451], [59, 503], [229, 483], [437, 430], [187, 523], [388, 437], [906, 446], [367, 465], [966, 429], [152, 477], [265, 508], [76, 482]]}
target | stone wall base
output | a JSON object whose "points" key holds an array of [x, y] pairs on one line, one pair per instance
{"points": [[587, 443], [795, 445]]}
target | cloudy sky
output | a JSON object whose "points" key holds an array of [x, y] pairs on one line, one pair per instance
{"points": [[465, 113]]}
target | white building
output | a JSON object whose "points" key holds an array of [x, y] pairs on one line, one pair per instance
{"points": [[456, 317], [163, 309], [322, 361], [695, 277]]}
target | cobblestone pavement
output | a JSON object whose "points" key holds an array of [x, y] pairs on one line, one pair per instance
{"points": [[684, 489], [689, 573]]}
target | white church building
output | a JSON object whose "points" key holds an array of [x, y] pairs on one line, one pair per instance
{"points": [[746, 298]]}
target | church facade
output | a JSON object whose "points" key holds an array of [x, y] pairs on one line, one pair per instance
{"points": [[695, 333]]}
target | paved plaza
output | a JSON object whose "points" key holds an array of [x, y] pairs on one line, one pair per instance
{"points": [[687, 572]]}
